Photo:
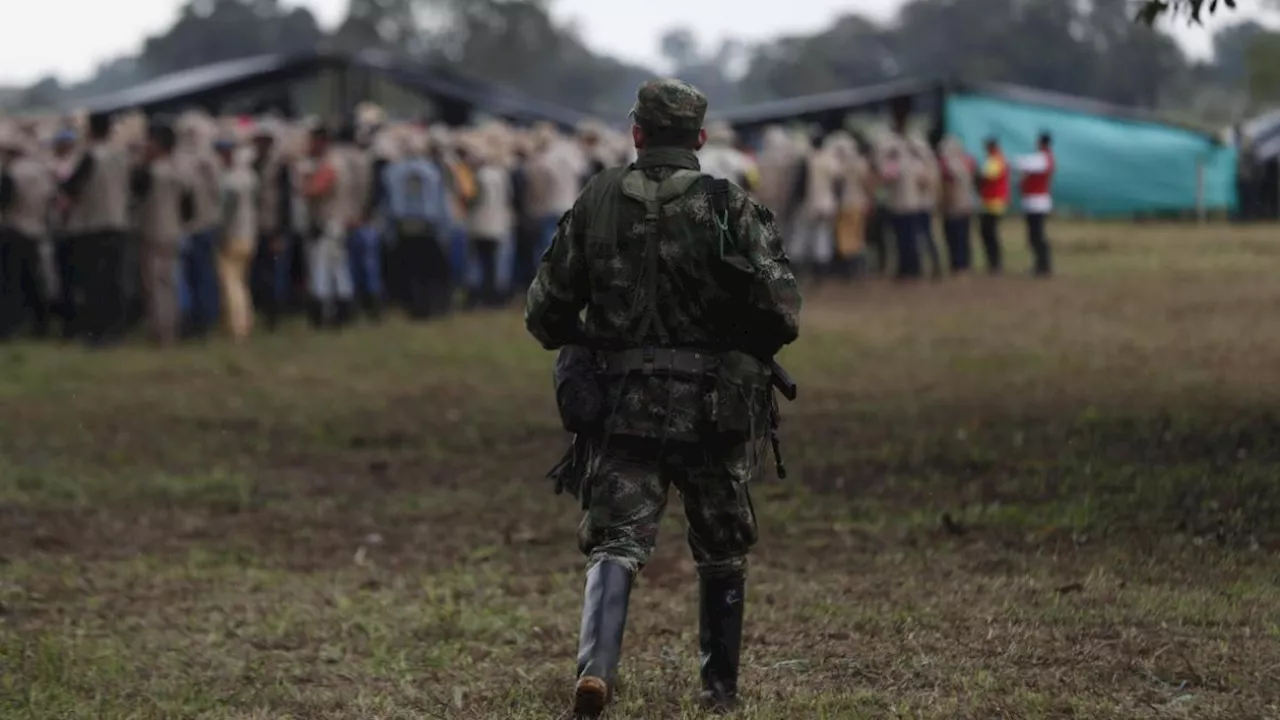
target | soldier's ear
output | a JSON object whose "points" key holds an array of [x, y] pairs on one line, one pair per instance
{"points": [[702, 138]]}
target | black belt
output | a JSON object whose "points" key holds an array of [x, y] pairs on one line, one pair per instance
{"points": [[666, 361]]}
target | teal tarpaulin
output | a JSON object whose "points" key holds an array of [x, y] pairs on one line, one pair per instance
{"points": [[1105, 166]]}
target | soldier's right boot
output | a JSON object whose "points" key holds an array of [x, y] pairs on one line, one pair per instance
{"points": [[721, 604], [604, 617]]}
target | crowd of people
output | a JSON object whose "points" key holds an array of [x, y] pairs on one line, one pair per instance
{"points": [[188, 223]]}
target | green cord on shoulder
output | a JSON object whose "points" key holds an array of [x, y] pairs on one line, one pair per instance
{"points": [[722, 222]]}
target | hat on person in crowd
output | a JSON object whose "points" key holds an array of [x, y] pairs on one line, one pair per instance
{"points": [[11, 140], [669, 103]]}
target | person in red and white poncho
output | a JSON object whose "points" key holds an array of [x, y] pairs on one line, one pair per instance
{"points": [[1036, 171]]}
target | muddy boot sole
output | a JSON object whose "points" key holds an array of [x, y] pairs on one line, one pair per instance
{"points": [[590, 698]]}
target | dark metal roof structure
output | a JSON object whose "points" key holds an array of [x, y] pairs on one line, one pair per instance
{"points": [[831, 106], [822, 106], [215, 82]]}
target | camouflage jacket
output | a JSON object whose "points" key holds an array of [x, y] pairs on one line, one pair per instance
{"points": [[696, 288]]}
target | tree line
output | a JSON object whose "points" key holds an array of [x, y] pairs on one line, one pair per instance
{"points": [[1095, 48]]}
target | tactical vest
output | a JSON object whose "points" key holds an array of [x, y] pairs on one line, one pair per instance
{"points": [[660, 390]]}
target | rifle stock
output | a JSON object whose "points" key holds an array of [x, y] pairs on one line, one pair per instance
{"points": [[782, 380]]}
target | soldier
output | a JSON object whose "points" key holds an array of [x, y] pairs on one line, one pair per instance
{"points": [[26, 194], [97, 193], [166, 205], [686, 289]]}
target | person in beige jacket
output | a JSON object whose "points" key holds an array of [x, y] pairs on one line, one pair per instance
{"points": [[165, 206], [959, 200], [812, 241], [856, 190], [97, 200], [239, 240], [196, 160], [490, 226], [26, 195], [930, 194], [902, 177]]}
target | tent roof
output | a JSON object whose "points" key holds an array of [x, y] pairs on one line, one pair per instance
{"points": [[1263, 134], [228, 77]]}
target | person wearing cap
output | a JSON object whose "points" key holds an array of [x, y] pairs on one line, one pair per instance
{"points": [[97, 196], [666, 282], [166, 204], [26, 195], [239, 225]]}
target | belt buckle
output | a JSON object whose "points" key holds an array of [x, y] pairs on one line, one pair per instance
{"points": [[647, 361]]}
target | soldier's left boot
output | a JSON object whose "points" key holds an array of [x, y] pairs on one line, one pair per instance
{"points": [[721, 604], [604, 617]]}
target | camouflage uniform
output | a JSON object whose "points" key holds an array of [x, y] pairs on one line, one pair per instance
{"points": [[681, 303]]}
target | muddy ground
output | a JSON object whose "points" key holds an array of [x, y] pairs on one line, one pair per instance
{"points": [[1008, 498]]}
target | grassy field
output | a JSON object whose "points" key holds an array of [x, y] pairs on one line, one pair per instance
{"points": [[1008, 498]]}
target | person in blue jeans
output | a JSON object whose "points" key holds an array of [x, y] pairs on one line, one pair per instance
{"points": [[364, 256], [199, 268], [200, 281]]}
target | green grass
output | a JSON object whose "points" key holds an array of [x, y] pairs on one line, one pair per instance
{"points": [[1008, 498]]}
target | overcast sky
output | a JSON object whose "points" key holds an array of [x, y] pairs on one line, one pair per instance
{"points": [[69, 37]]}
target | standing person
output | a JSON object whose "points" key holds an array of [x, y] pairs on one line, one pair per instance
{"points": [[1037, 201], [239, 238], [958, 170], [165, 206], [197, 160], [813, 244], [26, 196], [329, 213], [930, 180], [65, 160], [491, 225], [274, 214], [418, 211], [900, 175], [97, 193], [364, 243], [857, 187], [675, 301], [993, 188]]}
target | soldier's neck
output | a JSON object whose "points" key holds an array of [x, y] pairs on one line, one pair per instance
{"points": [[667, 157]]}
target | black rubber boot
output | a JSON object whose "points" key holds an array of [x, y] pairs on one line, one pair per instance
{"points": [[604, 617], [722, 601]]}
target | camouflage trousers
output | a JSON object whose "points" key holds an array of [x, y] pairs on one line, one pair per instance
{"points": [[629, 481]]}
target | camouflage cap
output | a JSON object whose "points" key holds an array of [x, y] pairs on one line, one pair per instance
{"points": [[669, 104]]}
